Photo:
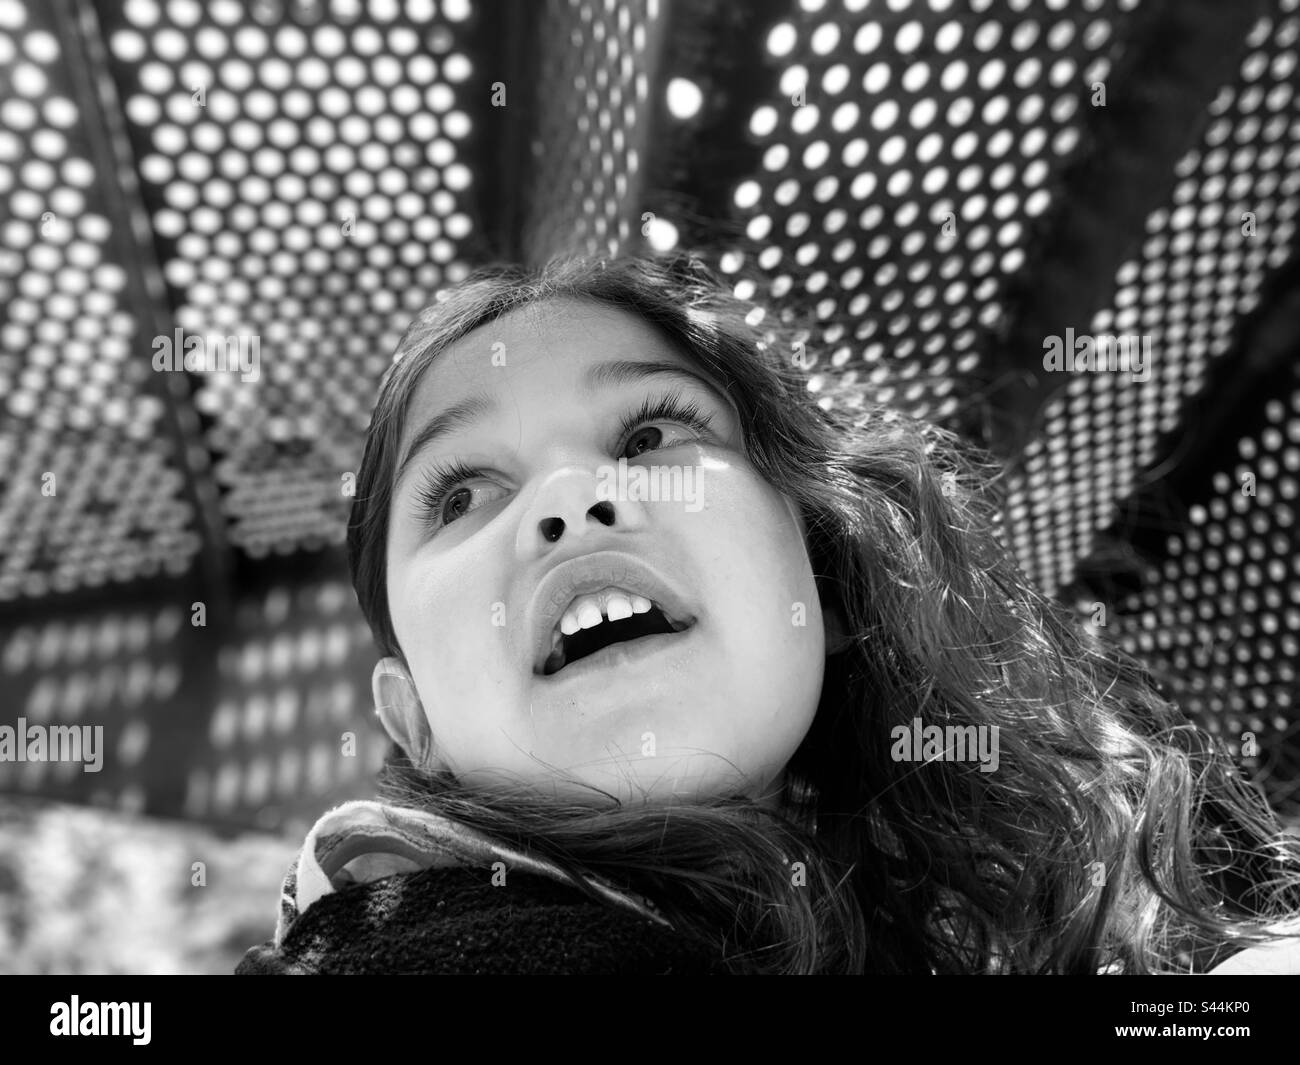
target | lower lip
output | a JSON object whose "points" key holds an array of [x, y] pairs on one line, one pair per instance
{"points": [[619, 656]]}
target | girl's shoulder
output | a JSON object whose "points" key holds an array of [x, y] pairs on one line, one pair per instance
{"points": [[455, 920], [378, 888]]}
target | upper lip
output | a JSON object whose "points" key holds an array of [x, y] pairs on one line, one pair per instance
{"points": [[591, 573]]}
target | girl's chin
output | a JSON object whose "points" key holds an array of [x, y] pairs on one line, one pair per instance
{"points": [[661, 780]]}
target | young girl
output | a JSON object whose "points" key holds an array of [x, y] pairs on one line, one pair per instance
{"points": [[686, 674]]}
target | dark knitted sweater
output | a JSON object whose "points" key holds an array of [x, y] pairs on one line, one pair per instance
{"points": [[453, 921], [377, 889]]}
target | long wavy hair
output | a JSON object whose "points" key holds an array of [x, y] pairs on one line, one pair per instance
{"points": [[1113, 835]]}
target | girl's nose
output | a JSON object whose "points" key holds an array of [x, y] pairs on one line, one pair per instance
{"points": [[553, 528], [570, 503]]}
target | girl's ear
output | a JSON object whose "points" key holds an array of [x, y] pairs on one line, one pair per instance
{"points": [[399, 708]]}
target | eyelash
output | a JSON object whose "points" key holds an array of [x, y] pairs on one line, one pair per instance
{"points": [[439, 481]]}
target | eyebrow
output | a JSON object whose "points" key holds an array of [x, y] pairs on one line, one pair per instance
{"points": [[604, 375]]}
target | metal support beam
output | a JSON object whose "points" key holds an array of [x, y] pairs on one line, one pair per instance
{"points": [[1157, 97]]}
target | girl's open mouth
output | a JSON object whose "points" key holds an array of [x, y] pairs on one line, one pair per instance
{"points": [[613, 643]]}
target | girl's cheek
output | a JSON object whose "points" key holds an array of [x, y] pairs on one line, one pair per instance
{"points": [[454, 611], [425, 608], [734, 494], [748, 542]]}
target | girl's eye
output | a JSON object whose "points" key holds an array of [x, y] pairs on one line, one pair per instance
{"points": [[450, 507], [670, 408], [645, 433], [441, 497]]}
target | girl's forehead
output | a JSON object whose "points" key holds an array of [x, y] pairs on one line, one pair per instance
{"points": [[567, 323], [560, 338]]}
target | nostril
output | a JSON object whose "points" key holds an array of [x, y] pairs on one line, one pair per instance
{"points": [[553, 528]]}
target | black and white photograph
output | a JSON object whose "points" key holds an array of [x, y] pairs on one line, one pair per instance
{"points": [[651, 487]]}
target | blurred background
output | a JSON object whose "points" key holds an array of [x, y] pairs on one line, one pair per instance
{"points": [[934, 186]]}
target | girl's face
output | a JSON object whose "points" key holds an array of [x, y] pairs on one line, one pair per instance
{"points": [[534, 404]]}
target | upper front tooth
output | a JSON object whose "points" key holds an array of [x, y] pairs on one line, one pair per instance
{"points": [[589, 614], [618, 606], [588, 611]]}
